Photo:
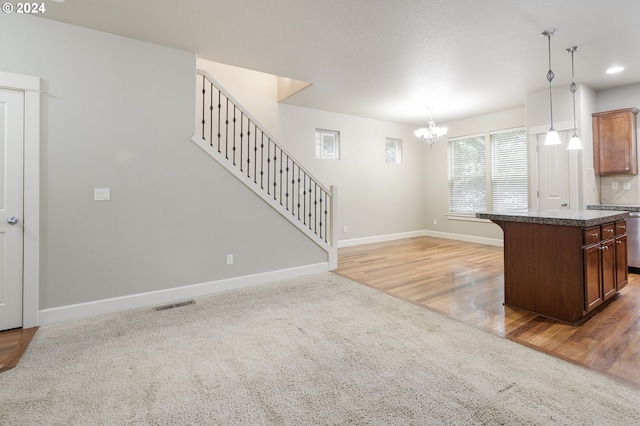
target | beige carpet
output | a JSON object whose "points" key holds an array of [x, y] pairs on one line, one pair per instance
{"points": [[317, 350]]}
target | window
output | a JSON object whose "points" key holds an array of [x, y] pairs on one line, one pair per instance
{"points": [[327, 144], [392, 150], [488, 179], [509, 170], [467, 175]]}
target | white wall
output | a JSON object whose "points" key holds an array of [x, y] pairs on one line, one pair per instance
{"points": [[118, 113]]}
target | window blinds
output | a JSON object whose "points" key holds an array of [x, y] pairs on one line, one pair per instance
{"points": [[509, 170], [467, 175]]}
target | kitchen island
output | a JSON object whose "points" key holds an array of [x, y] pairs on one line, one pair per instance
{"points": [[562, 264]]}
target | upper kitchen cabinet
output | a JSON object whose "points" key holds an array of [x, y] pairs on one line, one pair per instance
{"points": [[614, 142]]}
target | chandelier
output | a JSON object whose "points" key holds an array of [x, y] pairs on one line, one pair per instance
{"points": [[431, 134]]}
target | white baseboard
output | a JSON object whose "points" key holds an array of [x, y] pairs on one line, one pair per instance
{"points": [[134, 301], [423, 233], [380, 238], [467, 238]]}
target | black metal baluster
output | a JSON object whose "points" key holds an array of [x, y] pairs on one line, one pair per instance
{"points": [[219, 112], [275, 173], [286, 202], [310, 203], [326, 217], [248, 146], [262, 161], [234, 135], [320, 217], [315, 208], [241, 136], [268, 166], [226, 132], [281, 155], [293, 186], [304, 198], [211, 115], [298, 193], [255, 155], [204, 91]]}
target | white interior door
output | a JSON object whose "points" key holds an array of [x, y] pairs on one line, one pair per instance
{"points": [[11, 207], [553, 173]]}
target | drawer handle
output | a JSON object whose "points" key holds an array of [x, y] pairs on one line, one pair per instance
{"points": [[594, 235], [609, 230], [618, 242], [604, 248], [622, 227]]}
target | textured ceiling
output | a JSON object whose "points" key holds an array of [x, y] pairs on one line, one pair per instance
{"points": [[387, 59]]}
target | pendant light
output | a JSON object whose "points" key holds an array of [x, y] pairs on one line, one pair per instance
{"points": [[552, 135], [574, 142]]}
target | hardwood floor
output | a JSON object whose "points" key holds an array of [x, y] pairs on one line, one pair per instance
{"points": [[13, 343], [465, 281]]}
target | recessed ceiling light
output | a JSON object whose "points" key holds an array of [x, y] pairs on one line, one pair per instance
{"points": [[614, 70]]}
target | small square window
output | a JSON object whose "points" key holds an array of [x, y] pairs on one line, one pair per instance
{"points": [[327, 144], [393, 150]]}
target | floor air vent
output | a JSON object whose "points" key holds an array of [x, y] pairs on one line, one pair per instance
{"points": [[174, 305]]}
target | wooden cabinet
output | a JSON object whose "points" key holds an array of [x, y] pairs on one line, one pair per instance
{"points": [[614, 142], [605, 262], [622, 266]]}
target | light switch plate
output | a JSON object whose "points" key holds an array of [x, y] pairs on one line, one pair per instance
{"points": [[101, 194], [626, 185]]}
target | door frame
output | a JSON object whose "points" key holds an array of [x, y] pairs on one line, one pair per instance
{"points": [[31, 216]]}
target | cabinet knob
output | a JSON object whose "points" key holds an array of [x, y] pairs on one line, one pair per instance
{"points": [[594, 235], [618, 242]]}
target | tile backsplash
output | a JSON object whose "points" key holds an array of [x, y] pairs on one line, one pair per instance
{"points": [[619, 189]]}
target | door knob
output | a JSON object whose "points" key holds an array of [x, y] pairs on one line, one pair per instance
{"points": [[564, 204], [13, 220]]}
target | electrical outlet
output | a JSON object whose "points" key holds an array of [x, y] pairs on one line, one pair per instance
{"points": [[614, 185], [435, 221], [229, 259], [626, 185], [344, 229]]}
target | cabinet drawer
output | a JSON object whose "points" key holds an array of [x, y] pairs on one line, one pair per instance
{"points": [[591, 235], [608, 231], [621, 227]]}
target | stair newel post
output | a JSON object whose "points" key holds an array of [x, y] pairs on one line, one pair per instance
{"points": [[333, 237]]}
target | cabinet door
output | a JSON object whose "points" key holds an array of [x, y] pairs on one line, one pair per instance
{"points": [[608, 262], [622, 272], [592, 277], [614, 140]]}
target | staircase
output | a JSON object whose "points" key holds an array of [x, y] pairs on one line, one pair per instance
{"points": [[229, 134]]}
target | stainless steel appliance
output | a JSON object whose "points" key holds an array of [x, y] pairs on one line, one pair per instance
{"points": [[633, 241]]}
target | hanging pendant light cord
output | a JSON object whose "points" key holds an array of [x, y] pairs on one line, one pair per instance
{"points": [[550, 76], [573, 89]]}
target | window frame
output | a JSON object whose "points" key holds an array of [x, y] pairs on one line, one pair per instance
{"points": [[320, 152], [398, 150], [489, 173]]}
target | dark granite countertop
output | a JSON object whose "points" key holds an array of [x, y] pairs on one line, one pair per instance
{"points": [[627, 207], [580, 218]]}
